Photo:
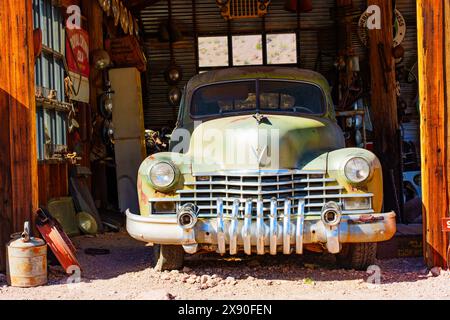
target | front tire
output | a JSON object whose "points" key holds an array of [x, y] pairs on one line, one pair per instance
{"points": [[357, 256], [168, 257]]}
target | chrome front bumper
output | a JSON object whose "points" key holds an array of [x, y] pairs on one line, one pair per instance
{"points": [[261, 234]]}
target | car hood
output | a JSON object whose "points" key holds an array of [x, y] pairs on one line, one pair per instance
{"points": [[268, 142]]}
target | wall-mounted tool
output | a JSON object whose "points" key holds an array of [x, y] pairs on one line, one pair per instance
{"points": [[242, 9]]}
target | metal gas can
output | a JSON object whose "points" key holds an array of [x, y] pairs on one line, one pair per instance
{"points": [[26, 260]]}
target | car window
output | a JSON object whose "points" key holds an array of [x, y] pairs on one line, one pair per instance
{"points": [[242, 96], [224, 98], [290, 96]]}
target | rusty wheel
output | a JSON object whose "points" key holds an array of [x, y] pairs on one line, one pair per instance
{"points": [[167, 257], [357, 256]]}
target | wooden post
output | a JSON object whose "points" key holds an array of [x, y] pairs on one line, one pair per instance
{"points": [[433, 34], [94, 15], [18, 155], [384, 106]]}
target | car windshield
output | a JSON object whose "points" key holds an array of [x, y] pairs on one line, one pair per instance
{"points": [[257, 96]]}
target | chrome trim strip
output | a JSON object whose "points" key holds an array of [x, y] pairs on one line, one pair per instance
{"points": [[244, 173], [256, 184], [220, 227], [233, 228], [299, 227], [260, 231], [246, 230], [256, 192], [327, 196], [287, 227], [273, 232]]}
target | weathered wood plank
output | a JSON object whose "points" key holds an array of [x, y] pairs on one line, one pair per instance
{"points": [[18, 161], [434, 125], [384, 105], [53, 181]]}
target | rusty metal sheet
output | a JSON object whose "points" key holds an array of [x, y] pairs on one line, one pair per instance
{"points": [[57, 240]]}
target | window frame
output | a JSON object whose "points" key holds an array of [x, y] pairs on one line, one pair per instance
{"points": [[258, 110], [264, 48], [50, 72]]}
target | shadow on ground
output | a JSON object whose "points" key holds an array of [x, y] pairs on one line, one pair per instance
{"points": [[314, 266], [128, 255]]}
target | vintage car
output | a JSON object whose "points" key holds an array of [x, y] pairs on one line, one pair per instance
{"points": [[258, 165]]}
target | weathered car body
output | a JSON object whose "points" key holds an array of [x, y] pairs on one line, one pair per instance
{"points": [[291, 192]]}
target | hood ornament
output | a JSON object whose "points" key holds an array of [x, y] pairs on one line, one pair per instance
{"points": [[260, 118]]}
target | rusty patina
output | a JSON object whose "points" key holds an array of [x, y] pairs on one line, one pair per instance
{"points": [[309, 145]]}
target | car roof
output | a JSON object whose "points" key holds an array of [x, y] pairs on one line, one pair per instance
{"points": [[257, 72]]}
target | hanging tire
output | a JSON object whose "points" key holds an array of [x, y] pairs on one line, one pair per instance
{"points": [[167, 257], [357, 256]]}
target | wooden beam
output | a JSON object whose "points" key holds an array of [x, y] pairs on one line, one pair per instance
{"points": [[433, 33], [18, 158], [384, 106], [94, 15]]}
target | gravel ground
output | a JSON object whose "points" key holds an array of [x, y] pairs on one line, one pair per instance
{"points": [[124, 273]]}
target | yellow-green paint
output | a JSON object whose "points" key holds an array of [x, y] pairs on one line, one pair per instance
{"points": [[305, 142]]}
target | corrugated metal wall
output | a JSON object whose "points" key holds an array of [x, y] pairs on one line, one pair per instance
{"points": [[409, 91], [317, 34]]}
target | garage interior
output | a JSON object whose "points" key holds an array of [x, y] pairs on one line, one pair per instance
{"points": [[75, 137]]}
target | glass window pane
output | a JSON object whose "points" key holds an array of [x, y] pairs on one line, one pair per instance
{"points": [[36, 14], [55, 29], [43, 23], [38, 71], [46, 71], [224, 98], [62, 95], [281, 48], [48, 19], [213, 51], [40, 132], [51, 72], [287, 96], [62, 35], [247, 50], [53, 126]]}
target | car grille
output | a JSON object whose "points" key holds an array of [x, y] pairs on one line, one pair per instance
{"points": [[314, 187]]}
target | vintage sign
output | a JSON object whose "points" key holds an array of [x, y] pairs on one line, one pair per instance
{"points": [[399, 28], [77, 51], [77, 56], [446, 224]]}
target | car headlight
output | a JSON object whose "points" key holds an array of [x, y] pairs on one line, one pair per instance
{"points": [[162, 175], [357, 170]]}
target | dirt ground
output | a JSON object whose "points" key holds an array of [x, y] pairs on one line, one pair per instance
{"points": [[124, 273]]}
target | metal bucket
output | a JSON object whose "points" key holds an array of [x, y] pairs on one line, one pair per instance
{"points": [[26, 260]]}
